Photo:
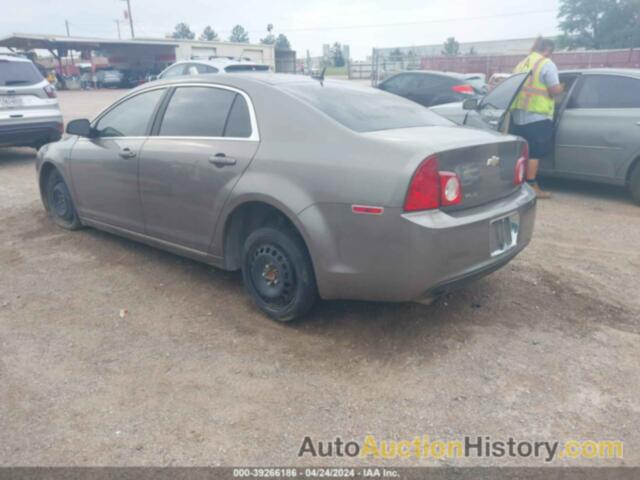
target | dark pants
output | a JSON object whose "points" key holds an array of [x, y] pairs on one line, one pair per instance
{"points": [[539, 135]]}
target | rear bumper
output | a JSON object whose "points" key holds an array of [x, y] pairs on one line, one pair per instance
{"points": [[401, 256], [30, 134]]}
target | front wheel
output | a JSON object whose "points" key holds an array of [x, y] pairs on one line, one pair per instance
{"points": [[59, 203], [278, 274]]}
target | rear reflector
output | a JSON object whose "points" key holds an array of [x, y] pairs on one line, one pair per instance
{"points": [[367, 210], [430, 188], [467, 89], [450, 188], [521, 166]]}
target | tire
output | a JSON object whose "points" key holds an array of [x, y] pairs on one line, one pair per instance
{"points": [[278, 274], [634, 183], [60, 204]]}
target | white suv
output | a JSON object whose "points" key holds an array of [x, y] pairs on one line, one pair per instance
{"points": [[29, 111]]}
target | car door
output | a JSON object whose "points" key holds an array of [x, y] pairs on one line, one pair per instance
{"points": [[599, 130], [205, 138], [104, 168], [493, 109]]}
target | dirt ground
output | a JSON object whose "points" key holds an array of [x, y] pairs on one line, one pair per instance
{"points": [[546, 348]]}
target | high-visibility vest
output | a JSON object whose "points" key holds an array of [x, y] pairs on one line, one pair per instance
{"points": [[534, 96]]}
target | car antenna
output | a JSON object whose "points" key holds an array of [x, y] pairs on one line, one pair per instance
{"points": [[320, 77]]}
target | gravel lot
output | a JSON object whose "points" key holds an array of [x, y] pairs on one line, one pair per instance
{"points": [[546, 348]]}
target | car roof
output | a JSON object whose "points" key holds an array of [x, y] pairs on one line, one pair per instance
{"points": [[615, 71], [235, 79], [456, 75], [219, 62], [13, 58]]}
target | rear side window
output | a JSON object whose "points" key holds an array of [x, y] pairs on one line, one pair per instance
{"points": [[246, 68], [239, 121], [18, 73], [131, 118], [607, 91], [364, 109], [430, 82], [174, 71], [197, 112]]}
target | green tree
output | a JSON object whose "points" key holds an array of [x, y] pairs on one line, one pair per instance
{"points": [[596, 24], [396, 55], [239, 35], [282, 42], [336, 55], [451, 47], [182, 30], [209, 34]]}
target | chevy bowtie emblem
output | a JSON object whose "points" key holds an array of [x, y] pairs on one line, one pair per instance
{"points": [[493, 161]]}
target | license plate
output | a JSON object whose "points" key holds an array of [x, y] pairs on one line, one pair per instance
{"points": [[10, 101], [504, 234]]}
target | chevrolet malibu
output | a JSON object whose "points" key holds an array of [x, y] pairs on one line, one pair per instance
{"points": [[309, 188]]}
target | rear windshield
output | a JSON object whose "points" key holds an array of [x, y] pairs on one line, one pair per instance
{"points": [[18, 73], [364, 109], [247, 68]]}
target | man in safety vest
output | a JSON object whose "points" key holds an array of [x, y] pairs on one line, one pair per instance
{"points": [[533, 109]]}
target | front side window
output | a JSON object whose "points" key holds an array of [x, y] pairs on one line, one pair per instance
{"points": [[197, 112], [607, 91], [501, 96], [131, 118]]}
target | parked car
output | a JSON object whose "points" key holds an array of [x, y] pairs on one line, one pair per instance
{"points": [[431, 88], [597, 124], [214, 65], [109, 78], [29, 111], [307, 187]]}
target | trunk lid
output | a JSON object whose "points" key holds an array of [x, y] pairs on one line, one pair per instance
{"points": [[484, 160]]}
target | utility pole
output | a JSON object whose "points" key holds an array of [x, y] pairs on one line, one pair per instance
{"points": [[66, 24], [130, 17], [118, 24]]}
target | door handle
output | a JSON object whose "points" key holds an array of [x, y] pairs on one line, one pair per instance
{"points": [[221, 160], [127, 153]]}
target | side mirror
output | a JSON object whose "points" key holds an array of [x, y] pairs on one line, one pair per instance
{"points": [[80, 127], [470, 104]]}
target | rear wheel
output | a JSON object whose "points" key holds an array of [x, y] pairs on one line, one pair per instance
{"points": [[61, 208], [278, 274], [634, 183]]}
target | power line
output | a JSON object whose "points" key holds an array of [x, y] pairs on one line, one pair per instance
{"points": [[402, 24]]}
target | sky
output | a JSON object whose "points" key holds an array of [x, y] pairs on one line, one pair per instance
{"points": [[307, 23]]}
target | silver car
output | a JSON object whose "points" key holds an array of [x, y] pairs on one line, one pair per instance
{"points": [[306, 187], [29, 111], [597, 124], [214, 65]]}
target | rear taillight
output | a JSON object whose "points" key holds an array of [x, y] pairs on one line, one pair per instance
{"points": [[521, 166], [50, 91], [430, 188], [466, 89]]}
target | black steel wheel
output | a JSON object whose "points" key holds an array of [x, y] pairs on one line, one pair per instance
{"points": [[278, 274], [60, 203]]}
